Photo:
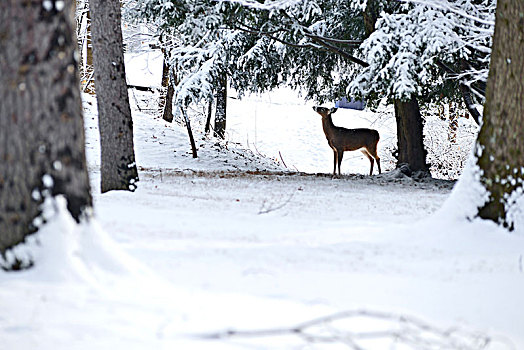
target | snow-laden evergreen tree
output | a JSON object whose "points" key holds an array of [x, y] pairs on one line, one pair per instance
{"points": [[259, 45], [423, 51], [429, 50]]}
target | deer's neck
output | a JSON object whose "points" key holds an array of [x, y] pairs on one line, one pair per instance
{"points": [[327, 124]]}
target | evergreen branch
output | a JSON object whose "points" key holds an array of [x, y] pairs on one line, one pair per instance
{"points": [[323, 42], [340, 52], [251, 30], [336, 41]]}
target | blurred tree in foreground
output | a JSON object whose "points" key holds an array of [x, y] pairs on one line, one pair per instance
{"points": [[42, 143], [500, 145]]}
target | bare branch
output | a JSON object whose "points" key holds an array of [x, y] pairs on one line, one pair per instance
{"points": [[268, 209]]}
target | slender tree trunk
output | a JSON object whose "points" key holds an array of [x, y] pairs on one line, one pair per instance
{"points": [[209, 113], [90, 84], [165, 73], [501, 138], [190, 133], [411, 149], [221, 106], [42, 143], [118, 168], [167, 114], [166, 101], [468, 101]]}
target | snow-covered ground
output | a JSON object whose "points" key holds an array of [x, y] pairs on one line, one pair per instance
{"points": [[232, 240]]}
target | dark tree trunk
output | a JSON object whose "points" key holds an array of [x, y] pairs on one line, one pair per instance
{"points": [[166, 101], [410, 143], [466, 94], [468, 101], [501, 138], [209, 113], [190, 133], [165, 75], [118, 168], [370, 15], [42, 140], [221, 106], [167, 115]]}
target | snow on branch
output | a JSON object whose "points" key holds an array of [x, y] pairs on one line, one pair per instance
{"points": [[447, 6], [267, 5], [405, 47]]}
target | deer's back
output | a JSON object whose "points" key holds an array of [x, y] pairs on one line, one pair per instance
{"points": [[353, 139]]}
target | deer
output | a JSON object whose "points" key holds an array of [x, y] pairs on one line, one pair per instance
{"points": [[342, 139]]}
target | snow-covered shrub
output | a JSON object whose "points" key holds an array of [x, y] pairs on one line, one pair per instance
{"points": [[447, 158]]}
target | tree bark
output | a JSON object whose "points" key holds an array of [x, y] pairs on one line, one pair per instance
{"points": [[501, 138], [370, 16], [42, 143], [410, 142], [167, 114], [166, 101], [221, 106], [118, 167]]}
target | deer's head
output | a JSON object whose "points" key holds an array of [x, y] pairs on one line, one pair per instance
{"points": [[325, 112]]}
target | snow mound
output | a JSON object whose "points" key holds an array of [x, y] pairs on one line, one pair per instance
{"points": [[63, 250]]}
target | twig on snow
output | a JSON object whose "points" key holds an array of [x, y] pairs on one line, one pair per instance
{"points": [[269, 208]]}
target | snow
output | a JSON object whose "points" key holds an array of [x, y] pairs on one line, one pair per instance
{"points": [[233, 240]]}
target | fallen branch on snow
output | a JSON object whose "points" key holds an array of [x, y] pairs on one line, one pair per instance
{"points": [[392, 330]]}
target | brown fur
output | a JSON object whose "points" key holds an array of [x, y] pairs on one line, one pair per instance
{"points": [[342, 139]]}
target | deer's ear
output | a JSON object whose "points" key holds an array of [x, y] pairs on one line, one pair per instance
{"points": [[333, 110]]}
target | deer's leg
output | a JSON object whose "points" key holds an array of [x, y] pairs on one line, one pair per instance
{"points": [[340, 156], [366, 153], [335, 156], [373, 152]]}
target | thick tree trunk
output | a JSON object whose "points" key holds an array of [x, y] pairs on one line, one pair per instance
{"points": [[501, 138], [42, 140], [118, 168], [410, 143], [221, 106]]}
